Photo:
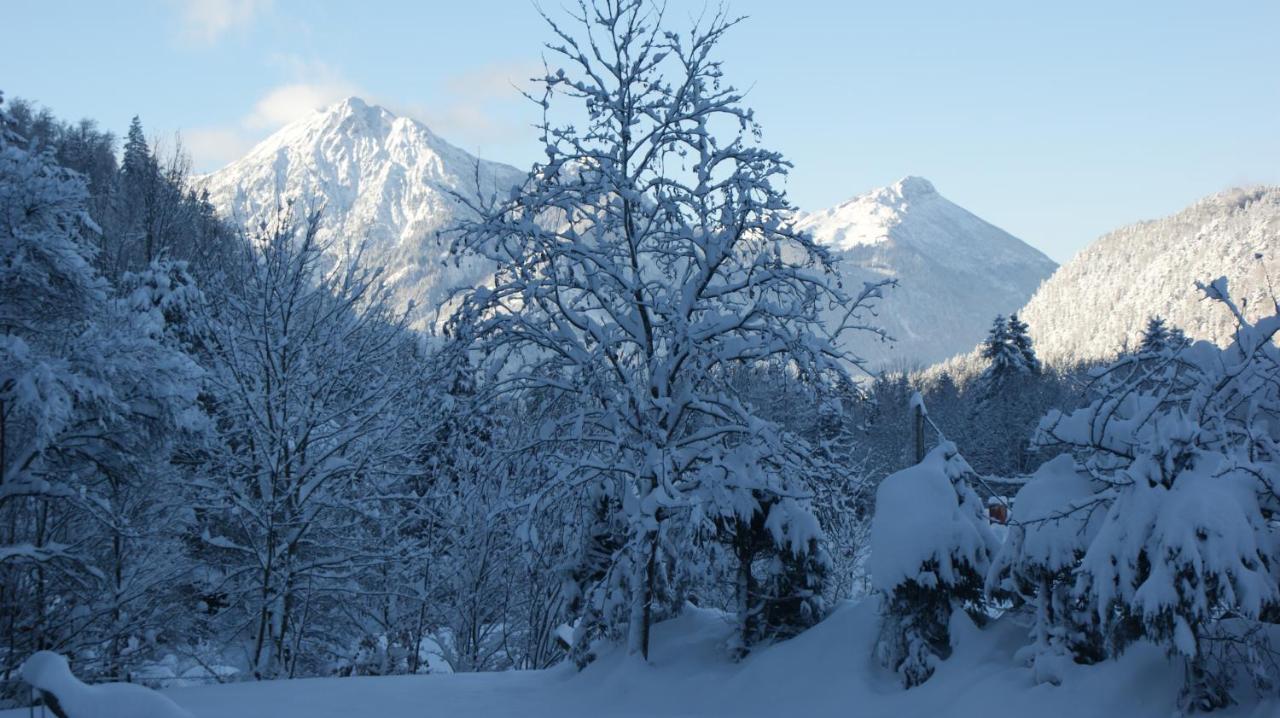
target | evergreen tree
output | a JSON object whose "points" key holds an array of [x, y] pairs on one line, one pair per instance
{"points": [[1020, 338], [1155, 337], [1003, 357], [930, 548], [138, 165], [1008, 350], [1003, 407], [139, 195]]}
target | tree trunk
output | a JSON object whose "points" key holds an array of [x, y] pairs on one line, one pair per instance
{"points": [[642, 579]]}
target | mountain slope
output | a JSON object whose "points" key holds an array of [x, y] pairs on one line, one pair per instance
{"points": [[381, 180], [956, 271], [1099, 302]]}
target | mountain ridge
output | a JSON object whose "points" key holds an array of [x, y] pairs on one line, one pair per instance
{"points": [[391, 182]]}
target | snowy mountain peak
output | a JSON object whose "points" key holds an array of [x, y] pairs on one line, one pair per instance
{"points": [[868, 218], [352, 104], [912, 187], [383, 180], [361, 115], [956, 271], [911, 211], [350, 124]]}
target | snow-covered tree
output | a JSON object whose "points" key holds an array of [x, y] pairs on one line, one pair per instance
{"points": [[1020, 338], [1186, 451], [81, 147], [930, 549], [998, 350], [648, 255], [92, 401], [1155, 337], [149, 206], [311, 382], [1056, 515], [145, 205], [1005, 401], [1008, 350]]}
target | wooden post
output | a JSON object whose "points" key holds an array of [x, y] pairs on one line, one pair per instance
{"points": [[917, 422]]}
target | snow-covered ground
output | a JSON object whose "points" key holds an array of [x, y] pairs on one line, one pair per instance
{"points": [[826, 671]]}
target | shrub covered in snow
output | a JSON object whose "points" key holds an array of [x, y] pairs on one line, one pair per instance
{"points": [[1182, 453], [1055, 517], [50, 674], [930, 548]]}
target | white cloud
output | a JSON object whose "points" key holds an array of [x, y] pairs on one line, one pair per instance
{"points": [[207, 20], [287, 103], [493, 81], [480, 105], [213, 147]]}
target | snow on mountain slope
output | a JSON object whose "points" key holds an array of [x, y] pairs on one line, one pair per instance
{"points": [[826, 671], [956, 271], [380, 179], [1099, 302], [386, 180]]}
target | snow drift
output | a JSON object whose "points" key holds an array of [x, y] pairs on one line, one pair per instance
{"points": [[827, 671]]}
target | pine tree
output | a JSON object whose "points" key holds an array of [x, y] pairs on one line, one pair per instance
{"points": [[1003, 357], [133, 248], [1008, 350], [158, 219], [1002, 410], [1020, 338], [930, 548], [137, 153], [1155, 337]]}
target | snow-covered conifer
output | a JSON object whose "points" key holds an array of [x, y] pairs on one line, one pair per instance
{"points": [[1155, 337], [930, 548], [1020, 338], [1186, 450], [1056, 515], [998, 350]]}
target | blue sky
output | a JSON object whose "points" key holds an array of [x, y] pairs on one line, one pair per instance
{"points": [[1055, 121]]}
